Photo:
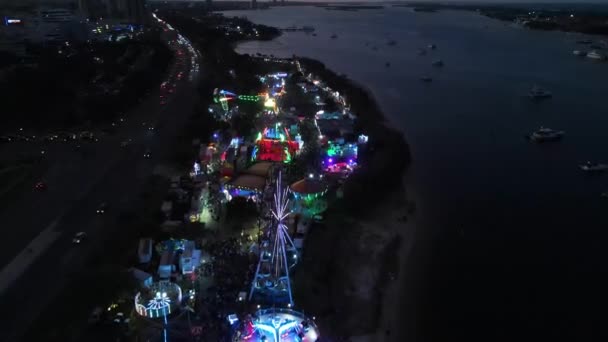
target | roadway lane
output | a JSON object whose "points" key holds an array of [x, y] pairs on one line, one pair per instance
{"points": [[70, 174], [116, 175]]}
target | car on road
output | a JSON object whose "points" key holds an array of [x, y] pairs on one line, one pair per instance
{"points": [[79, 237], [40, 186], [102, 208], [148, 154]]}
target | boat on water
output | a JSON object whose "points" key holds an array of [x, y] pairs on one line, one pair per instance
{"points": [[594, 167], [421, 52], [432, 46], [308, 28], [595, 55], [391, 43], [388, 64], [333, 36], [545, 134], [584, 41], [426, 79], [438, 63], [579, 53], [538, 92]]}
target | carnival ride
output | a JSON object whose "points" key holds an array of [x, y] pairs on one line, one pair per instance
{"points": [[271, 285], [223, 96], [164, 315], [274, 325], [308, 195], [277, 255], [159, 300], [275, 144]]}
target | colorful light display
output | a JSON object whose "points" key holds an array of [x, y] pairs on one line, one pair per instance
{"points": [[275, 144], [271, 280], [278, 325], [160, 300], [223, 96], [340, 157]]}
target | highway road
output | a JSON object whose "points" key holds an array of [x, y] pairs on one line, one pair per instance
{"points": [[38, 255]]}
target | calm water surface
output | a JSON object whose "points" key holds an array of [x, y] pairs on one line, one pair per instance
{"points": [[514, 236]]}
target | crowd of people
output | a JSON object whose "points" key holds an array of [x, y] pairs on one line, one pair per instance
{"points": [[228, 273]]}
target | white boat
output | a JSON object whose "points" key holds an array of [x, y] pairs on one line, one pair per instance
{"points": [[579, 53], [546, 134], [432, 46], [538, 92], [594, 167], [595, 55]]}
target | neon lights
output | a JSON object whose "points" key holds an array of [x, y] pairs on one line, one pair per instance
{"points": [[160, 301], [270, 103], [272, 273]]}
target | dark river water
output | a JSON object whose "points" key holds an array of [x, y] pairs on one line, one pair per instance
{"points": [[512, 241]]}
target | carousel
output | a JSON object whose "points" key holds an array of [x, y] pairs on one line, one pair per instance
{"points": [[274, 325]]}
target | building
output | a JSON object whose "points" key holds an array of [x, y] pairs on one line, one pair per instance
{"points": [[14, 33], [190, 258], [144, 250], [166, 267], [119, 11]]}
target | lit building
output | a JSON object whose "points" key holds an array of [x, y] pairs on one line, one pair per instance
{"points": [[308, 195], [190, 258], [275, 144], [340, 156], [14, 33]]}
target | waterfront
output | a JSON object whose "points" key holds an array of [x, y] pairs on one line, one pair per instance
{"points": [[509, 233]]}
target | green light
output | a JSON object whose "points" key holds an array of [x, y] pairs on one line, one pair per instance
{"points": [[333, 150]]}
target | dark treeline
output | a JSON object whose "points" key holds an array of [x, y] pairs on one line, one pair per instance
{"points": [[82, 83]]}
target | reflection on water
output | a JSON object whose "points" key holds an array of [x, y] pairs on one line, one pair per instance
{"points": [[515, 228]]}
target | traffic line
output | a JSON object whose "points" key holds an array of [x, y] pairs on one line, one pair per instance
{"points": [[13, 270]]}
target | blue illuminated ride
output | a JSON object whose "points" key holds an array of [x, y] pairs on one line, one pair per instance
{"points": [[271, 284]]}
